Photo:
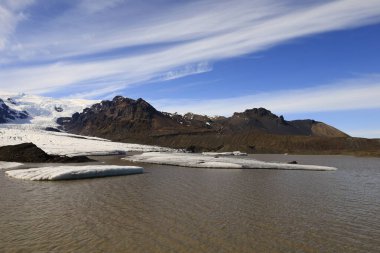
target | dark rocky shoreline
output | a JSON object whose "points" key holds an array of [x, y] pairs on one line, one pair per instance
{"points": [[30, 153]]}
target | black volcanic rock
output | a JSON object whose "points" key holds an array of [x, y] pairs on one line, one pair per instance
{"points": [[7, 114], [12, 101], [64, 120], [58, 109], [52, 129], [30, 153]]}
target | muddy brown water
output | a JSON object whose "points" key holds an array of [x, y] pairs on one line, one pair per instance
{"points": [[174, 209]]}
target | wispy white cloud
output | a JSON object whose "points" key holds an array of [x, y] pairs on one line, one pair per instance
{"points": [[91, 6], [187, 70], [192, 33], [10, 15], [360, 93]]}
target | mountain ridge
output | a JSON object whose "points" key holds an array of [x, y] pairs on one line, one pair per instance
{"points": [[123, 118], [255, 130]]}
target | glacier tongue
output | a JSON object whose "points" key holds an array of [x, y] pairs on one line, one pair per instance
{"points": [[68, 144]]}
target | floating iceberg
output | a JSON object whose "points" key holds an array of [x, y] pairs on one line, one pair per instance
{"points": [[8, 165], [204, 161], [73, 172], [234, 153]]}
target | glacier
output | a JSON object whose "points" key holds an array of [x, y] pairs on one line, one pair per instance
{"points": [[44, 112], [73, 172], [55, 143], [204, 161]]}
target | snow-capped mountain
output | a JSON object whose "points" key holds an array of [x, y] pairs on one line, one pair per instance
{"points": [[37, 111], [7, 114]]}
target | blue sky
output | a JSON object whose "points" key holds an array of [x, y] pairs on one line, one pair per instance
{"points": [[303, 59]]}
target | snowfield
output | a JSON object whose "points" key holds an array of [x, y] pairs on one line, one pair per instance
{"points": [[202, 161], [73, 172], [9, 165]]}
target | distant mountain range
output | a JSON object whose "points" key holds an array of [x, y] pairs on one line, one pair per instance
{"points": [[136, 121], [127, 119], [254, 130]]}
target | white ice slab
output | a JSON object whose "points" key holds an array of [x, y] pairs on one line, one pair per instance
{"points": [[9, 165], [73, 172], [203, 161], [234, 153]]}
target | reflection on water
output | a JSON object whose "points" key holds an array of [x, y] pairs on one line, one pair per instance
{"points": [[174, 209]]}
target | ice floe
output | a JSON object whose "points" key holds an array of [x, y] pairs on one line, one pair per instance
{"points": [[9, 165], [73, 172], [234, 153], [203, 161]]}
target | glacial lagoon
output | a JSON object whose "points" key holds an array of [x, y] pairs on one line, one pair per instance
{"points": [[178, 209]]}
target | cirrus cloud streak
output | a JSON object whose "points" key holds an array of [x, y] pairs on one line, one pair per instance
{"points": [[354, 94], [77, 47]]}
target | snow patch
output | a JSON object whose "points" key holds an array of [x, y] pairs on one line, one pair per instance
{"points": [[73, 172], [204, 161]]}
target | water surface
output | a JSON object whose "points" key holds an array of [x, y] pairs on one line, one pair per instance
{"points": [[175, 209]]}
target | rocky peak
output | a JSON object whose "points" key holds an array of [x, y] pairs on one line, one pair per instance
{"points": [[281, 120], [121, 106], [120, 98], [255, 113], [126, 111]]}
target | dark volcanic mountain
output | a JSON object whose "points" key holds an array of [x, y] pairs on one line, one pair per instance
{"points": [[263, 121], [127, 119], [254, 130], [7, 114]]}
